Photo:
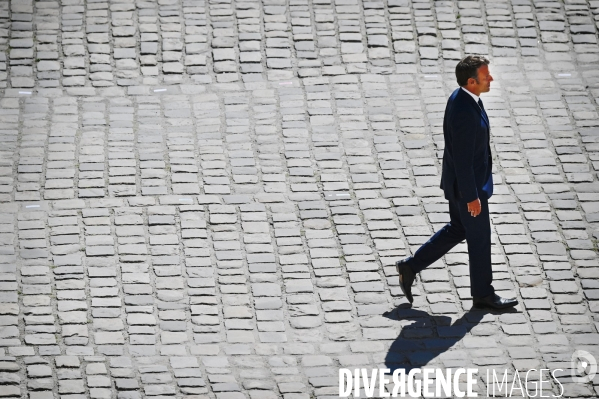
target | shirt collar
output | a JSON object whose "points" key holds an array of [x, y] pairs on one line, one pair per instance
{"points": [[476, 98]]}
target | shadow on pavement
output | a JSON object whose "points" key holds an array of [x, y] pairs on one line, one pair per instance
{"points": [[427, 338]]}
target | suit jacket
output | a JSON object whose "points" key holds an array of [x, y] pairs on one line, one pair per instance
{"points": [[467, 159]]}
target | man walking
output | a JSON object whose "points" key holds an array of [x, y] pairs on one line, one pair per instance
{"points": [[467, 182]]}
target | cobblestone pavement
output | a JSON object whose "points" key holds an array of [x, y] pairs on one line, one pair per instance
{"points": [[205, 199]]}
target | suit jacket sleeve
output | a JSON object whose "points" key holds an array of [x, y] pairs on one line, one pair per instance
{"points": [[463, 134]]}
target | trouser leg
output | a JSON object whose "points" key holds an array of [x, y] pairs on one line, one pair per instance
{"points": [[478, 238], [441, 242]]}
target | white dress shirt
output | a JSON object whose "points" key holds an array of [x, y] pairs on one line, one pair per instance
{"points": [[476, 98]]}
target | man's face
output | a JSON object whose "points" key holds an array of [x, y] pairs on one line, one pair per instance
{"points": [[483, 85]]}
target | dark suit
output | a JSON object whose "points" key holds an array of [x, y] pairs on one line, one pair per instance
{"points": [[466, 176], [467, 159]]}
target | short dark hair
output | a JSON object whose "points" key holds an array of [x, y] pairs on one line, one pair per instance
{"points": [[467, 68]]}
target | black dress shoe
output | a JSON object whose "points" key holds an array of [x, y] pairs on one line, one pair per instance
{"points": [[494, 301], [406, 278]]}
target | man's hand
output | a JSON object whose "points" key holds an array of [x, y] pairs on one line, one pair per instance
{"points": [[474, 207]]}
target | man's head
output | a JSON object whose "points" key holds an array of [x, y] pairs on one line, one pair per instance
{"points": [[472, 73]]}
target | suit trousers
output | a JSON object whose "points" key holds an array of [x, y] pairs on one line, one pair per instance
{"points": [[477, 233]]}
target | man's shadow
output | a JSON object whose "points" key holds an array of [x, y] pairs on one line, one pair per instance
{"points": [[427, 338]]}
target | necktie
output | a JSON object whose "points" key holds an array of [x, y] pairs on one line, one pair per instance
{"points": [[488, 186], [482, 108]]}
